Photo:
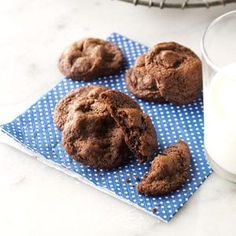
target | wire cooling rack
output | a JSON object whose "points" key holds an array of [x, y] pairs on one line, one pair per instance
{"points": [[180, 3]]}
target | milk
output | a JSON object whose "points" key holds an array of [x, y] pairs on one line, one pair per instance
{"points": [[220, 118]]}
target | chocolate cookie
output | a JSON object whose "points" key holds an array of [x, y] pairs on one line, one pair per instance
{"points": [[90, 58], [92, 132], [92, 137], [63, 107], [177, 71], [141, 84], [89, 134], [139, 132], [168, 172]]}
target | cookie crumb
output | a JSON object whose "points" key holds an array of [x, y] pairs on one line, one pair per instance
{"points": [[154, 210], [137, 178], [127, 180]]}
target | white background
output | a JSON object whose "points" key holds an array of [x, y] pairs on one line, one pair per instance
{"points": [[37, 200]]}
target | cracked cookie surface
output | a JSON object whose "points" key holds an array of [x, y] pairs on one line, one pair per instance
{"points": [[90, 58], [140, 83], [66, 103], [177, 71]]}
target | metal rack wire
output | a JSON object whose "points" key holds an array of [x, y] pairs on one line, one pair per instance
{"points": [[181, 4]]}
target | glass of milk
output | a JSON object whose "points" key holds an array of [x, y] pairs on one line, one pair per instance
{"points": [[218, 47]]}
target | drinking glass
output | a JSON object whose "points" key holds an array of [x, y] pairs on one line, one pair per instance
{"points": [[218, 48]]}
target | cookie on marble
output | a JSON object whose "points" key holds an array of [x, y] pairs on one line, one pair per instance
{"points": [[177, 71], [90, 58], [168, 171], [139, 132], [141, 84]]}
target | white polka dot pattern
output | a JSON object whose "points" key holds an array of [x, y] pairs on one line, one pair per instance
{"points": [[36, 130]]}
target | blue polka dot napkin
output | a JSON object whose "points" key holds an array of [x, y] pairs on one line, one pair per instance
{"points": [[36, 131]]}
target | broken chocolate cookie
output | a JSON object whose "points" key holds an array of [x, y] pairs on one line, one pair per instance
{"points": [[139, 132], [93, 135], [168, 171]]}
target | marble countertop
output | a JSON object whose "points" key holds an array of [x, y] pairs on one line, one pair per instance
{"points": [[38, 200]]}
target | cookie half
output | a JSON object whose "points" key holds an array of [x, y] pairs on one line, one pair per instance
{"points": [[139, 132], [168, 171]]}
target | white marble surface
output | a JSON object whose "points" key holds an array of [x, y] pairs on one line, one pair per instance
{"points": [[37, 200]]}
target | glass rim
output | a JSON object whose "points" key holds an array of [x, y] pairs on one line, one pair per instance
{"points": [[203, 48]]}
